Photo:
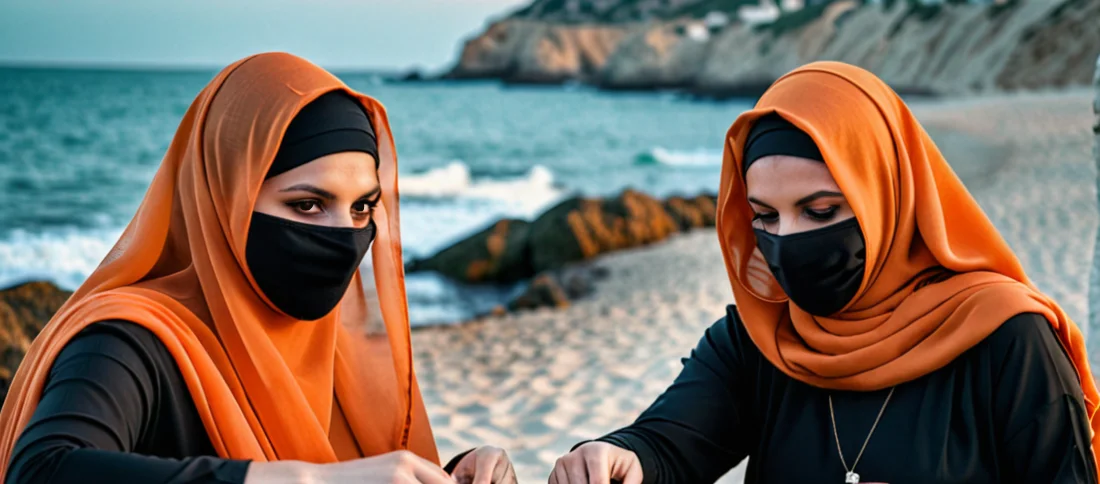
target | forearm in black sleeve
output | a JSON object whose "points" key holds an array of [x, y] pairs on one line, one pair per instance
{"points": [[1038, 406], [698, 429], [1053, 448], [95, 405]]}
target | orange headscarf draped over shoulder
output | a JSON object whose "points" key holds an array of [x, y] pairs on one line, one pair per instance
{"points": [[939, 278], [263, 383]]}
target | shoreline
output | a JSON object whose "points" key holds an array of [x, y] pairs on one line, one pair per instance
{"points": [[497, 259], [537, 382]]}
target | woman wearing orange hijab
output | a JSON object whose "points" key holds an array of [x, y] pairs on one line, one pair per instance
{"points": [[212, 343], [883, 332]]}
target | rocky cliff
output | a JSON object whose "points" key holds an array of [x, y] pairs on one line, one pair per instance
{"points": [[949, 49], [24, 309], [534, 51]]}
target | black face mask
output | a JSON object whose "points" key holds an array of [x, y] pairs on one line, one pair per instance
{"points": [[821, 270], [303, 269]]}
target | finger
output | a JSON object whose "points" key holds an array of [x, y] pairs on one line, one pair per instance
{"points": [[577, 472], [428, 476], [406, 476], [428, 473], [597, 467], [633, 473], [560, 476], [486, 462], [419, 463], [501, 469], [509, 475]]}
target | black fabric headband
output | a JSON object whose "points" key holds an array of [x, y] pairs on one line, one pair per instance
{"points": [[773, 135], [332, 123]]}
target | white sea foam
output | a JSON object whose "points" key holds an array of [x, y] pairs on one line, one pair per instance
{"points": [[530, 192], [696, 157], [63, 256], [66, 256]]}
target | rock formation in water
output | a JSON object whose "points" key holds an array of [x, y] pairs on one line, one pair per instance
{"points": [[497, 254], [574, 230], [547, 249], [24, 310], [949, 48]]}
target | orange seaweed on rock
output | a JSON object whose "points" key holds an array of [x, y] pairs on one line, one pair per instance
{"points": [[582, 228], [573, 230]]}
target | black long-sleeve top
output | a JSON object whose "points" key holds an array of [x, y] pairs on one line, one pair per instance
{"points": [[1009, 410], [115, 408]]}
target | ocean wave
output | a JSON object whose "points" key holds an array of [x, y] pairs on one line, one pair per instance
{"points": [[66, 257], [534, 189], [441, 205], [63, 256], [457, 204], [664, 156]]}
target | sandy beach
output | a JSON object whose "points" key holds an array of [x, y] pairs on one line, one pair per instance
{"points": [[536, 383]]}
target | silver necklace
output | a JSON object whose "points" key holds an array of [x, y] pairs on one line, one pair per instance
{"points": [[850, 476]]}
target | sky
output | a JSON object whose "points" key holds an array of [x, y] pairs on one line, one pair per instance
{"points": [[336, 34]]}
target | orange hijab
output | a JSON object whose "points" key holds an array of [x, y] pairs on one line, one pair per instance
{"points": [[939, 277], [263, 383]]}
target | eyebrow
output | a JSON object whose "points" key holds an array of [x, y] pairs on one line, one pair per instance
{"points": [[816, 195], [373, 195], [305, 187], [325, 194], [804, 200], [762, 204]]}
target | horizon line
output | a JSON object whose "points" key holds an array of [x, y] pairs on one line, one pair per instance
{"points": [[180, 67]]}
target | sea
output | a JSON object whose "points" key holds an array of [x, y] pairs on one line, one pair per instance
{"points": [[78, 148]]}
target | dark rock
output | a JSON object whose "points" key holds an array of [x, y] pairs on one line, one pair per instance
{"points": [[24, 310], [496, 254], [577, 282], [544, 291], [558, 287], [708, 206], [581, 228], [412, 76], [574, 230], [690, 213], [552, 237]]}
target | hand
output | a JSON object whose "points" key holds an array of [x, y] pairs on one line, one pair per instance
{"points": [[485, 465], [597, 463], [401, 466]]}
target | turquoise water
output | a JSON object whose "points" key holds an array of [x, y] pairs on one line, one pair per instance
{"points": [[79, 147]]}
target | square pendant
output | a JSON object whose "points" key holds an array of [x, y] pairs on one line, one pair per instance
{"points": [[851, 478]]}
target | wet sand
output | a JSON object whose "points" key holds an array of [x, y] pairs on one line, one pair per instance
{"points": [[537, 383]]}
